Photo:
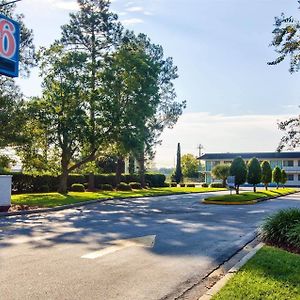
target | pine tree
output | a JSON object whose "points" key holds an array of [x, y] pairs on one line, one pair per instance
{"points": [[238, 169], [276, 176], [266, 173], [178, 171]]}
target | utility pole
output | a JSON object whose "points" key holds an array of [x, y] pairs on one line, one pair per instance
{"points": [[200, 148]]}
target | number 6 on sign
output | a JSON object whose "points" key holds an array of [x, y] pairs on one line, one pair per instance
{"points": [[9, 47]]}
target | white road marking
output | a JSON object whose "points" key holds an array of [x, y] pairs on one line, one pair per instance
{"points": [[144, 241]]}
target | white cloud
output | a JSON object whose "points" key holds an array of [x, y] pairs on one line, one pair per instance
{"points": [[135, 9], [132, 21], [219, 133]]}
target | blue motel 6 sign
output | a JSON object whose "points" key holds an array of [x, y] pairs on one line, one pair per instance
{"points": [[9, 46]]}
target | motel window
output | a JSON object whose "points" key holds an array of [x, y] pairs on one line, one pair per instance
{"points": [[288, 163], [298, 163], [228, 162], [298, 177], [290, 177]]}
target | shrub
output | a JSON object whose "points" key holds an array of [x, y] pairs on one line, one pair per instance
{"points": [[204, 185], [182, 185], [216, 185], [107, 187], [101, 179], [44, 189], [135, 185], [77, 187], [123, 186], [277, 228], [293, 236], [173, 184], [76, 178], [191, 185], [155, 179]]}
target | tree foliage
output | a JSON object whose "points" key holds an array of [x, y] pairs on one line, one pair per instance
{"points": [[283, 179], [266, 173], [221, 171], [254, 173], [276, 176], [178, 170], [238, 169], [190, 166]]}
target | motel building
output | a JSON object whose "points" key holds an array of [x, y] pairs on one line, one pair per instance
{"points": [[289, 161]]}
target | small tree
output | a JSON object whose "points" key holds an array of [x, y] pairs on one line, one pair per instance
{"points": [[276, 176], [266, 173], [283, 178], [221, 172], [254, 173], [178, 171], [238, 169]]}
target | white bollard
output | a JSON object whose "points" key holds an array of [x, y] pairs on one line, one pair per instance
{"points": [[5, 192]]}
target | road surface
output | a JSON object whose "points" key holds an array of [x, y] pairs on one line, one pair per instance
{"points": [[145, 248]]}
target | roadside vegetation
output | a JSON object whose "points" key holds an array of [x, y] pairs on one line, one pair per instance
{"points": [[250, 196], [57, 199], [271, 274]]}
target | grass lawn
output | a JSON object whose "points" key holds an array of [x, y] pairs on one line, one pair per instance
{"points": [[56, 199], [250, 196], [271, 274]]}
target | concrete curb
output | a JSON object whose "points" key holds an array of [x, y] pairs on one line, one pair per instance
{"points": [[79, 204], [222, 282], [204, 201]]}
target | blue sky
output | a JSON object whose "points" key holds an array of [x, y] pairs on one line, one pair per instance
{"points": [[221, 48]]}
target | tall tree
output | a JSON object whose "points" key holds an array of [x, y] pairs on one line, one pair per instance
{"points": [[60, 112], [276, 176], [286, 42], [238, 169], [190, 166], [178, 170], [283, 178], [94, 32], [266, 174], [11, 102], [254, 173], [221, 172]]}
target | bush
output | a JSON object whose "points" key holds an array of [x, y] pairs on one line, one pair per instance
{"points": [[191, 185], [173, 184], [293, 236], [135, 185], [204, 185], [216, 185], [76, 178], [278, 228], [44, 189], [155, 179], [107, 187], [77, 187], [101, 179], [182, 184], [123, 186]]}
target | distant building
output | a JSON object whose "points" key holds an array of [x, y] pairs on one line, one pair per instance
{"points": [[289, 161]]}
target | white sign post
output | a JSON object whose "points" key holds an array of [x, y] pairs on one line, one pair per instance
{"points": [[231, 183], [5, 192]]}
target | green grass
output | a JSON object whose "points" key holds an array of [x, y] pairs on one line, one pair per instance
{"points": [[250, 196], [272, 274], [56, 199]]}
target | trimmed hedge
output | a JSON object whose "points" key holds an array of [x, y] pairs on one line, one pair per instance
{"points": [[204, 185], [107, 187], [182, 184], [173, 184], [216, 185], [191, 185], [123, 186], [77, 187], [135, 185], [24, 183]]}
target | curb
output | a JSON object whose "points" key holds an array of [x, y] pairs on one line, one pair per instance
{"points": [[222, 282], [79, 204], [204, 201]]}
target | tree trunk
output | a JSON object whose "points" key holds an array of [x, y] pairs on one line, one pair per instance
{"points": [[224, 182], [237, 189], [91, 181], [254, 188], [141, 161], [63, 180], [119, 170], [266, 187]]}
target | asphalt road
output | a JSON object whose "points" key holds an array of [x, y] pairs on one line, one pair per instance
{"points": [[96, 252]]}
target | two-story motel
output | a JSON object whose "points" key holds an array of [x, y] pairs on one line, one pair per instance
{"points": [[289, 161]]}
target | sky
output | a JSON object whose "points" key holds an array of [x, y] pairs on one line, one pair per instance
{"points": [[221, 47]]}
